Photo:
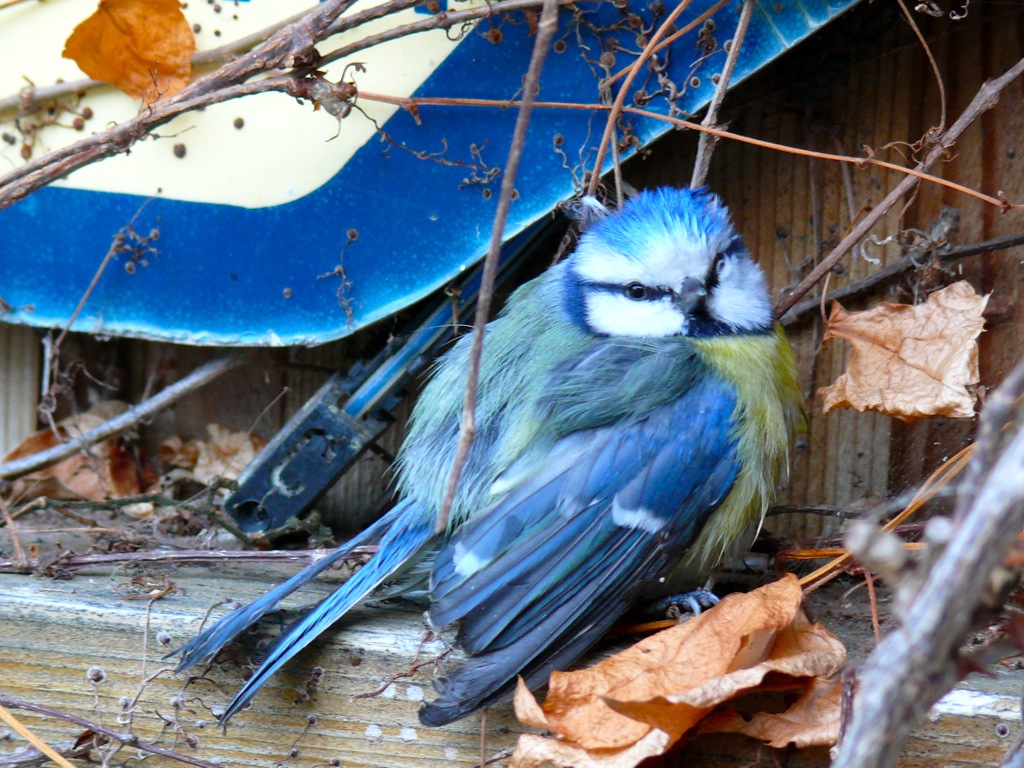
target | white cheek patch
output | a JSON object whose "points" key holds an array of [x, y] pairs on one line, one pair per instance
{"points": [[616, 315], [741, 298], [640, 518]]}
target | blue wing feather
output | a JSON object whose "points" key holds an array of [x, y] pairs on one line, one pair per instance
{"points": [[606, 511], [403, 533], [233, 624], [405, 538]]}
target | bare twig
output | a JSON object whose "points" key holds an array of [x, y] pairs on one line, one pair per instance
{"points": [[190, 557], [935, 129], [9, 718], [129, 418], [290, 52], [53, 352], [445, 20], [128, 739], [20, 561], [416, 103], [673, 37], [706, 143], [35, 95], [546, 28], [932, 486], [620, 97], [916, 663], [805, 308], [985, 99]]}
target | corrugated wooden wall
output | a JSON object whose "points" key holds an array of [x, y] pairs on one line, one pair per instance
{"points": [[861, 81], [19, 384]]}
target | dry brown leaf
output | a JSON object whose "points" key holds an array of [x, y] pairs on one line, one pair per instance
{"points": [[641, 701], [910, 361], [534, 751], [813, 720], [142, 47], [225, 454], [104, 471]]}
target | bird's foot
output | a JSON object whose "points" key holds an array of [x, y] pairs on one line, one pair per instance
{"points": [[677, 606]]}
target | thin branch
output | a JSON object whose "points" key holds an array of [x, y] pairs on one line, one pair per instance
{"points": [[932, 486], [986, 98], [935, 70], [916, 172], [53, 350], [128, 739], [417, 102], [67, 563], [546, 28], [620, 97], [672, 38], [910, 261], [444, 20], [291, 48], [916, 664], [706, 143], [23, 731], [20, 561], [198, 378]]}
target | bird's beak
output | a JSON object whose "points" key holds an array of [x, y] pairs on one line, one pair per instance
{"points": [[690, 295]]}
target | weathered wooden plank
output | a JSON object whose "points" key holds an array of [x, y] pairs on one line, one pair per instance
{"points": [[53, 632]]}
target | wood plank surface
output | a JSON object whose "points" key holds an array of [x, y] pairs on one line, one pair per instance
{"points": [[52, 632]]}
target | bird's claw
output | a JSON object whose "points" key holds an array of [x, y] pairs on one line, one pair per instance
{"points": [[677, 606]]}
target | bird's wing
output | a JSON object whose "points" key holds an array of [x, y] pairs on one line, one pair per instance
{"points": [[538, 577]]}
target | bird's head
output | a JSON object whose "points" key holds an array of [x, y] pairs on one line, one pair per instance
{"points": [[667, 263]]}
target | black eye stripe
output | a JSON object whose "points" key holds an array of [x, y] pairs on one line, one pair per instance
{"points": [[632, 290], [715, 270]]}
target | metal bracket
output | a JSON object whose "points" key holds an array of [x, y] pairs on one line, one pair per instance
{"points": [[325, 437]]}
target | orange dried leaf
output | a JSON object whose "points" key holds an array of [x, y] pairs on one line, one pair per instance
{"points": [[813, 720], [534, 751], [105, 471], [910, 361], [142, 47], [640, 702], [225, 454]]}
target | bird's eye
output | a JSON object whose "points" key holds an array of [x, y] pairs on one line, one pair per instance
{"points": [[636, 291], [719, 264]]}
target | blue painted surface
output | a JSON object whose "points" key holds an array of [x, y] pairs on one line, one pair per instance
{"points": [[222, 272]]}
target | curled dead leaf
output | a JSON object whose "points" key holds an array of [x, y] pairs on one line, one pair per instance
{"points": [[641, 701], [812, 721], [225, 454], [910, 361], [142, 47], [103, 471]]}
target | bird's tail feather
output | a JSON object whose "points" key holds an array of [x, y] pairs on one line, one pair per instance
{"points": [[490, 677], [233, 624], [406, 536]]}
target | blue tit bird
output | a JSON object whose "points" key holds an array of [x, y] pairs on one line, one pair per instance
{"points": [[636, 405]]}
